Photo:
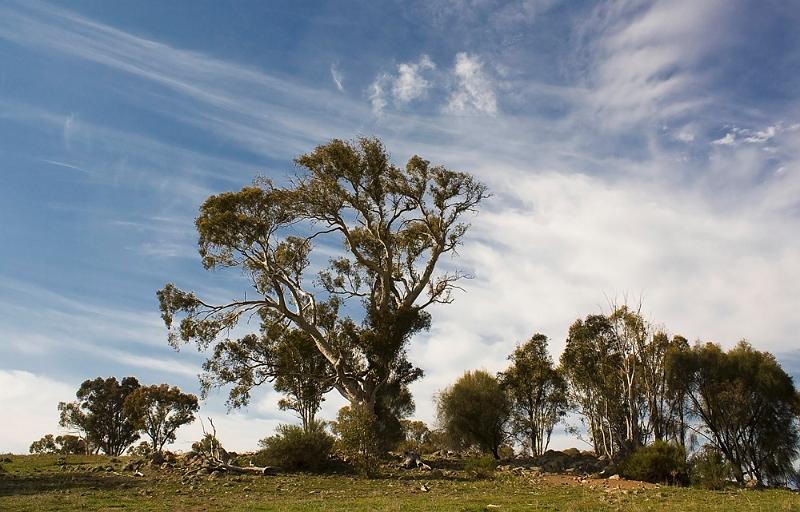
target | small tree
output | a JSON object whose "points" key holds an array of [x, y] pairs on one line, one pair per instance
{"points": [[46, 444], [99, 414], [159, 410], [537, 391], [283, 355], [358, 431], [475, 411], [417, 435]]}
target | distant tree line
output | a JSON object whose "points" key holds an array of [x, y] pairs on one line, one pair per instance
{"points": [[110, 415], [632, 385]]}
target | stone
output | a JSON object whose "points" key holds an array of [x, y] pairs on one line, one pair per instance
{"points": [[411, 460], [614, 477], [571, 452]]}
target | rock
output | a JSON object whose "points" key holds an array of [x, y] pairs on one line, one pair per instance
{"points": [[571, 452], [412, 460], [424, 488], [613, 477]]}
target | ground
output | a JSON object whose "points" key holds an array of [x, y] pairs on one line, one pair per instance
{"points": [[85, 483]]}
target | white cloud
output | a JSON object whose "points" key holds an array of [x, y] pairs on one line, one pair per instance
{"points": [[474, 91], [377, 96], [738, 135], [762, 136], [70, 125], [728, 140], [410, 84], [29, 407], [337, 77], [644, 60], [407, 85]]}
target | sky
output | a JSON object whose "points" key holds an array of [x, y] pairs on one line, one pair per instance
{"points": [[640, 149]]}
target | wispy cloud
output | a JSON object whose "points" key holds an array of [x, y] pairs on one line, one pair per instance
{"points": [[410, 84], [337, 77], [474, 91]]}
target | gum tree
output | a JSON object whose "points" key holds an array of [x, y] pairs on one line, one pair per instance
{"points": [[389, 229]]}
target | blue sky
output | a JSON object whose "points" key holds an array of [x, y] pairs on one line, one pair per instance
{"points": [[632, 147]]}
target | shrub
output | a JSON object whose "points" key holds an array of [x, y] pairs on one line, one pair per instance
{"points": [[294, 448], [358, 431], [480, 466], [207, 445], [660, 462], [708, 469], [474, 411], [142, 449]]}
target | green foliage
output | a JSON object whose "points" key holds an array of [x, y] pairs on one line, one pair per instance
{"points": [[296, 448], [159, 410], [357, 429], [480, 466], [748, 407], [615, 367], [207, 445], [100, 413], [709, 470], [474, 411], [46, 444], [416, 437], [288, 357], [394, 223], [538, 394], [660, 462], [143, 449]]}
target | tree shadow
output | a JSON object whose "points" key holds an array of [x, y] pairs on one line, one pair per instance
{"points": [[14, 485]]}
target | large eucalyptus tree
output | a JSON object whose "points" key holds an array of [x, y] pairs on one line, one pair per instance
{"points": [[389, 229]]}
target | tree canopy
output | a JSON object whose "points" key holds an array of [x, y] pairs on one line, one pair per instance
{"points": [[388, 227], [537, 391], [747, 405], [99, 413], [474, 411], [159, 410]]}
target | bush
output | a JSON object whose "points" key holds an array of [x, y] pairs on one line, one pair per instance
{"points": [[474, 412], [208, 445], [709, 470], [480, 466], [142, 449], [294, 448], [660, 462], [358, 431]]}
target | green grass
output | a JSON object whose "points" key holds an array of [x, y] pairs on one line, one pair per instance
{"points": [[42, 483]]}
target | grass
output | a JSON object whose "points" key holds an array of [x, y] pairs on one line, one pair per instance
{"points": [[46, 483]]}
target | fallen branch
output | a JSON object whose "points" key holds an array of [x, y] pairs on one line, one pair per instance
{"points": [[217, 459]]}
